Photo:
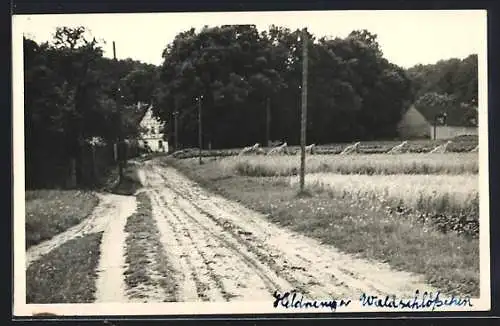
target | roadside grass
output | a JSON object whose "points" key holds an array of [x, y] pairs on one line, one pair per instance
{"points": [[47, 279], [370, 164], [449, 261], [145, 253], [50, 212]]}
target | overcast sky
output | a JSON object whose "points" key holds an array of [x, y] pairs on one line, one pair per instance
{"points": [[406, 37]]}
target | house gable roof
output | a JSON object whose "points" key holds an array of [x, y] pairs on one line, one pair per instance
{"points": [[148, 115], [454, 118]]}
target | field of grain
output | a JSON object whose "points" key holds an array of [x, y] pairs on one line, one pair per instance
{"points": [[440, 188], [380, 164], [461, 144], [438, 194]]}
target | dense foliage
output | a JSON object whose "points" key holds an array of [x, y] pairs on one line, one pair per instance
{"points": [[72, 93], [449, 86], [353, 93]]}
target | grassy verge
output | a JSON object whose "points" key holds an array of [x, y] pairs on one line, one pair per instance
{"points": [[49, 212], [449, 261], [146, 259], [47, 279]]}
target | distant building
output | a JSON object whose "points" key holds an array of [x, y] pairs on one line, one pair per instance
{"points": [[414, 125], [151, 135]]}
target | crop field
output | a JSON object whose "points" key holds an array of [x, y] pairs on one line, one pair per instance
{"points": [[285, 165], [442, 188], [461, 144], [446, 194]]}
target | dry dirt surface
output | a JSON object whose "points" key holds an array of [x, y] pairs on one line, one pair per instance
{"points": [[222, 251], [218, 250]]}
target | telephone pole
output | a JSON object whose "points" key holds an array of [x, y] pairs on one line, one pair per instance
{"points": [[176, 132], [200, 140], [303, 124], [119, 146], [175, 114]]}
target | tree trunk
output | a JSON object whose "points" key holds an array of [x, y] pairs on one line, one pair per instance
{"points": [[71, 181], [94, 167], [79, 166]]}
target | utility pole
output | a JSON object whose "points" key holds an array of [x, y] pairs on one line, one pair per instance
{"points": [[176, 132], [200, 140], [268, 122], [119, 146], [304, 111], [435, 124]]}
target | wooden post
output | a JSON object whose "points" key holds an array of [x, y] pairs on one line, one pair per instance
{"points": [[304, 110], [435, 123], [120, 145], [115, 152], [176, 131], [94, 167], [268, 122], [72, 174], [200, 139]]}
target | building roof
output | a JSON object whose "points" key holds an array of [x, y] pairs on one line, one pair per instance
{"points": [[139, 113], [454, 118], [149, 117]]}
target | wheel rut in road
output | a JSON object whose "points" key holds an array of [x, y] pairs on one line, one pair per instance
{"points": [[223, 251]]}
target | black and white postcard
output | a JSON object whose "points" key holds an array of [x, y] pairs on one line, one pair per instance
{"points": [[251, 162]]}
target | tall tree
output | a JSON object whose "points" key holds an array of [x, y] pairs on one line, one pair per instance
{"points": [[354, 92], [455, 80], [70, 97]]}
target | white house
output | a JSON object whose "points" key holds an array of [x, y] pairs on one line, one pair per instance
{"points": [[152, 133]]}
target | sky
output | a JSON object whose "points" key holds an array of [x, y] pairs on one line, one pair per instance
{"points": [[406, 37]]}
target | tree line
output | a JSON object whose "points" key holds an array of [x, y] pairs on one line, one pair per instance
{"points": [[72, 94], [448, 86], [247, 82], [248, 79]]}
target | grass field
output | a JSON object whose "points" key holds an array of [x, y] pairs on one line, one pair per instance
{"points": [[412, 211], [47, 279], [427, 193], [265, 166], [49, 212]]}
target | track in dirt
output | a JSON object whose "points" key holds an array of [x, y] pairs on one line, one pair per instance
{"points": [[217, 250], [222, 251]]}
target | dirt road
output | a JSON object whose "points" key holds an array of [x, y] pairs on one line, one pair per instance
{"points": [[208, 248], [222, 251]]}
